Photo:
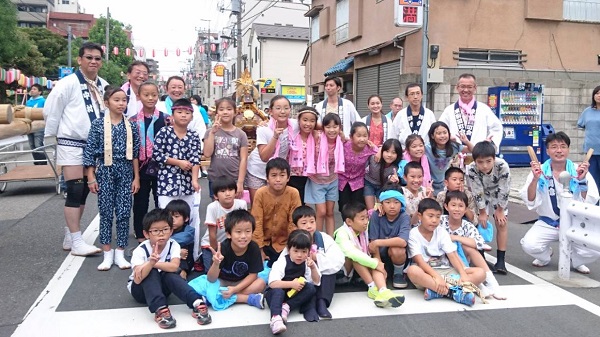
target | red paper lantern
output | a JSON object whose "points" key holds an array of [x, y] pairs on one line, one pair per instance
{"points": [[116, 50], [153, 53], [225, 44], [201, 49], [127, 51], [213, 47], [190, 50], [103, 48], [141, 52], [166, 52], [178, 52]]}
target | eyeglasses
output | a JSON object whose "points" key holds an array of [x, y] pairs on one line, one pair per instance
{"points": [[89, 58], [160, 231], [556, 147], [138, 73], [278, 108]]}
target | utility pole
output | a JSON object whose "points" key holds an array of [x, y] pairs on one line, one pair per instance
{"points": [[69, 38], [236, 8], [424, 51], [107, 29], [208, 51]]}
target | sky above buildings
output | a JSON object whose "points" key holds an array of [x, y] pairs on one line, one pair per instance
{"points": [[161, 25]]}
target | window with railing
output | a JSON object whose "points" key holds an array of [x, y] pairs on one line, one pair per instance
{"points": [[490, 57], [581, 10], [342, 16]]}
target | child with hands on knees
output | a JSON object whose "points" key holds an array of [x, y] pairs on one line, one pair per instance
{"points": [[237, 261], [414, 191], [155, 272], [488, 178], [466, 234], [111, 160], [292, 282], [353, 239], [434, 258]]}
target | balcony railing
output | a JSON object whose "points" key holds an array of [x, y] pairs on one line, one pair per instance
{"points": [[340, 34]]}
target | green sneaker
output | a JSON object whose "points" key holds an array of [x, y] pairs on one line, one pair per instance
{"points": [[387, 298], [373, 293]]}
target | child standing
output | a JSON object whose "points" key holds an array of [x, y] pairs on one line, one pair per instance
{"points": [[237, 261], [388, 233], [351, 182], [226, 146], [322, 187], [110, 158], [287, 290], [271, 142], [324, 252], [415, 151], [272, 208], [464, 232], [383, 170], [183, 234], [302, 150], [154, 276], [435, 258], [353, 239], [488, 178], [148, 121], [177, 152], [440, 151], [414, 191], [380, 129], [224, 191]]}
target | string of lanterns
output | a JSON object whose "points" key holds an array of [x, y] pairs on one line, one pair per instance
{"points": [[11, 75]]}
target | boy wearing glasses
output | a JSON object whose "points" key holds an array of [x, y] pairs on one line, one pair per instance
{"points": [[468, 116], [155, 275]]}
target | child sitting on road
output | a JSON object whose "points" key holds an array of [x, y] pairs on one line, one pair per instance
{"points": [[488, 178], [464, 232], [414, 191], [237, 261], [292, 282], [155, 272], [434, 258], [224, 190], [353, 239], [388, 232], [183, 234], [272, 208], [324, 252]]}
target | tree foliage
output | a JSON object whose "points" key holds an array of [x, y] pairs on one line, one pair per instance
{"points": [[114, 70], [53, 49]]}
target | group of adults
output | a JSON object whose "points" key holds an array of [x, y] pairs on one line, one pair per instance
{"points": [[467, 116]]}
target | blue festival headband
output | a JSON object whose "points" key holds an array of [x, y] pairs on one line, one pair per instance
{"points": [[392, 194]]}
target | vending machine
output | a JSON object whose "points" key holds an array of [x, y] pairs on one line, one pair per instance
{"points": [[519, 107]]}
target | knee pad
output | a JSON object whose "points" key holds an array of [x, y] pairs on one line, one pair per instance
{"points": [[75, 192]]}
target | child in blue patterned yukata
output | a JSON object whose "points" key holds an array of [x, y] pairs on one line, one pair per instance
{"points": [[111, 160]]}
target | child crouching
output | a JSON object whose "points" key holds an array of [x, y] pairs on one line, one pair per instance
{"points": [[292, 282]]}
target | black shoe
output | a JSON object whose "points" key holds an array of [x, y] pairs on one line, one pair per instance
{"points": [[322, 309], [491, 266], [500, 268]]}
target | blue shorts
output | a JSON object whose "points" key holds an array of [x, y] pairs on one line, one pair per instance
{"points": [[372, 189], [318, 194]]}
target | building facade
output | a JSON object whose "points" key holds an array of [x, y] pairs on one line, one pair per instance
{"points": [[67, 6], [33, 13], [550, 42], [80, 23]]}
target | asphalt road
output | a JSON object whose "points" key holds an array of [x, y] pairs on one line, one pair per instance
{"points": [[48, 292]]}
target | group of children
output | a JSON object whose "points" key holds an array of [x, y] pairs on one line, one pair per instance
{"points": [[308, 160]]}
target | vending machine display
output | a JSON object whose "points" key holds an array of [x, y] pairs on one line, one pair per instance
{"points": [[519, 107]]}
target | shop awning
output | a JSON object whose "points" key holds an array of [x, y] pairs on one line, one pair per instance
{"points": [[341, 66]]}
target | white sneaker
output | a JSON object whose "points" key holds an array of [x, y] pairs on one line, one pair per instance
{"points": [[583, 269], [83, 249], [120, 259], [67, 242], [109, 258]]}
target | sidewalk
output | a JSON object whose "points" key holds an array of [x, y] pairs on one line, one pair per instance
{"points": [[518, 176]]}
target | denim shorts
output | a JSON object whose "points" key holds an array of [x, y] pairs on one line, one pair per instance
{"points": [[372, 189], [318, 194]]}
